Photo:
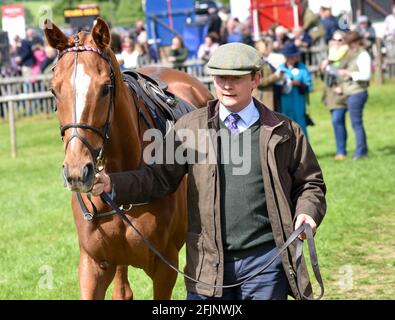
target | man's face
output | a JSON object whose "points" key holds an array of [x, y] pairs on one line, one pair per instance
{"points": [[234, 92]]}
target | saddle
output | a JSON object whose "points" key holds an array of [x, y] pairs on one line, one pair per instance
{"points": [[163, 105]]}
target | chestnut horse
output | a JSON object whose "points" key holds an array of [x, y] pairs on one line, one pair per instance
{"points": [[99, 120]]}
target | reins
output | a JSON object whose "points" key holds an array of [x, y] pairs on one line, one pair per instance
{"points": [[293, 237]]}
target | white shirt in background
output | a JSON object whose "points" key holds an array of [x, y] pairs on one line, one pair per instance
{"points": [[389, 24], [364, 63], [130, 59]]}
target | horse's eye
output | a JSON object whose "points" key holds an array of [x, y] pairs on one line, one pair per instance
{"points": [[105, 89]]}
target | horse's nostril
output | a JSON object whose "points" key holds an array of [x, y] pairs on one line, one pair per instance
{"points": [[65, 174], [87, 172]]}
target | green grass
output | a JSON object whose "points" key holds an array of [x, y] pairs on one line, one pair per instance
{"points": [[355, 243]]}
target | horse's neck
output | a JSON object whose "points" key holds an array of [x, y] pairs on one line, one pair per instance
{"points": [[125, 149]]}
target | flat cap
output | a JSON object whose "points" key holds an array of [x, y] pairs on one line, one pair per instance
{"points": [[234, 59]]}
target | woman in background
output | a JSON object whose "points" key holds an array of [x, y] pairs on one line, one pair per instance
{"points": [[268, 91], [333, 97], [356, 76], [178, 53], [297, 85]]}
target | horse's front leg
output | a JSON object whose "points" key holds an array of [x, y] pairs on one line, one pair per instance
{"points": [[94, 277], [122, 290]]}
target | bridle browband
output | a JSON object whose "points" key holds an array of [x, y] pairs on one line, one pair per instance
{"points": [[97, 154]]}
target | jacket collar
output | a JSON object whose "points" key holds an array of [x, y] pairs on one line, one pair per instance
{"points": [[267, 117]]}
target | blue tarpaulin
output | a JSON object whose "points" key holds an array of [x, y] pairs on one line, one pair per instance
{"points": [[162, 16]]}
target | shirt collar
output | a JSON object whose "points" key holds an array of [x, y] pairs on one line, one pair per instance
{"points": [[247, 115]]}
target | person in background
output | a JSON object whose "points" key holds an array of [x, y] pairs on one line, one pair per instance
{"points": [[389, 35], [268, 91], [129, 54], [301, 38], [50, 56], [328, 20], [178, 53], [333, 97], [389, 25], [246, 32], [366, 30], [116, 47], [39, 57], [13, 69], [298, 84], [214, 22], [234, 30], [207, 48], [33, 37], [280, 38], [312, 24], [356, 76], [143, 57], [25, 57], [140, 35]]}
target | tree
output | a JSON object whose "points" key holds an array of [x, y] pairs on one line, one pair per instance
{"points": [[128, 12]]}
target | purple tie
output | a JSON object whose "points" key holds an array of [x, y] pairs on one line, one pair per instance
{"points": [[232, 123]]}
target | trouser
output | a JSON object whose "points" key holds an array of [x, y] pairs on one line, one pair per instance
{"points": [[355, 105], [339, 128], [271, 284]]}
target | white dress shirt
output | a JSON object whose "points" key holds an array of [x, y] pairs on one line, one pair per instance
{"points": [[249, 115], [364, 63]]}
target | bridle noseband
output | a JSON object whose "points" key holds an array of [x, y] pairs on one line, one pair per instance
{"points": [[97, 154]]}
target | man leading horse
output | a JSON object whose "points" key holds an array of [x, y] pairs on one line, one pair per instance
{"points": [[237, 219]]}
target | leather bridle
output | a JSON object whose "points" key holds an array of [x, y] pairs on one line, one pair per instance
{"points": [[97, 154]]}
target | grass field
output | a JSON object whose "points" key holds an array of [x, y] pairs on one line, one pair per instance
{"points": [[38, 244]]}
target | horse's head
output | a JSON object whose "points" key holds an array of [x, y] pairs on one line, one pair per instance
{"points": [[83, 84]]}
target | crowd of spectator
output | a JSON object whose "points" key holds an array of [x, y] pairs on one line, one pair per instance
{"points": [[29, 56], [286, 80]]}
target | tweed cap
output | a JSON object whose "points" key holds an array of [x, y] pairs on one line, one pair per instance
{"points": [[234, 59]]}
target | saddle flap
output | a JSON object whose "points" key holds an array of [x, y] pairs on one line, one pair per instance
{"points": [[162, 104]]}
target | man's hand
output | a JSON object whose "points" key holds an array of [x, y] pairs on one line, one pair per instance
{"points": [[102, 184], [304, 218]]}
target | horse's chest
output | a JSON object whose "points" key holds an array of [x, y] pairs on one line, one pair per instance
{"points": [[114, 242]]}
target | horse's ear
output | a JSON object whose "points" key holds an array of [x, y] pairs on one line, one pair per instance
{"points": [[55, 37], [101, 33]]}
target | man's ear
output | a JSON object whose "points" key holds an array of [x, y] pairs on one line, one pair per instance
{"points": [[55, 37], [101, 33], [256, 78]]}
